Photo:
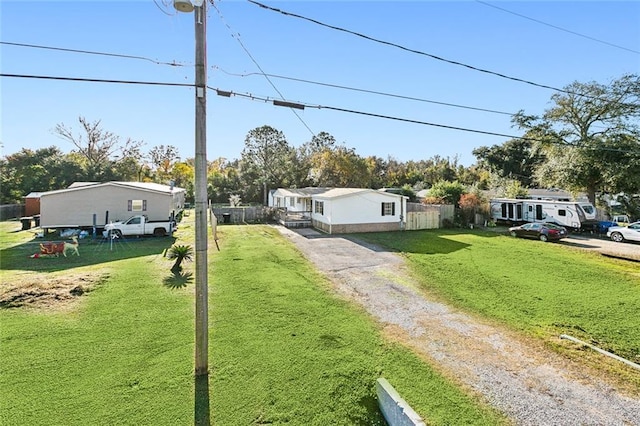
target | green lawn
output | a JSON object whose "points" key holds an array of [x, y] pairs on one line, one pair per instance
{"points": [[283, 349], [543, 289]]}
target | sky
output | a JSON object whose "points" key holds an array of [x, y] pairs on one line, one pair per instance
{"points": [[550, 43]]}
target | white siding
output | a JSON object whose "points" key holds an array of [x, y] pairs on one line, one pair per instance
{"points": [[361, 207]]}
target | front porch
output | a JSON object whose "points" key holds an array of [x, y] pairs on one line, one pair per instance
{"points": [[294, 219]]}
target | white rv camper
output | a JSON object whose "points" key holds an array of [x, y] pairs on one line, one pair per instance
{"points": [[570, 214]]}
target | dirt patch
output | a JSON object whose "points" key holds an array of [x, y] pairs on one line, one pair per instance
{"points": [[46, 291]]}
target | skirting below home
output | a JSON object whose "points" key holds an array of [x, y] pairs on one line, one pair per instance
{"points": [[356, 227]]}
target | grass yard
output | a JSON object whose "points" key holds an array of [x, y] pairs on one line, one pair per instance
{"points": [[541, 289], [283, 349], [120, 354]]}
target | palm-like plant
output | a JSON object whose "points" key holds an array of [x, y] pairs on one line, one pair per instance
{"points": [[180, 253]]}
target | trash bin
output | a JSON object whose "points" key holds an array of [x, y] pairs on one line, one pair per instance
{"points": [[36, 220], [226, 217], [26, 222]]}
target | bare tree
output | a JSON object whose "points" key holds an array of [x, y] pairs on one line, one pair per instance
{"points": [[98, 147]]}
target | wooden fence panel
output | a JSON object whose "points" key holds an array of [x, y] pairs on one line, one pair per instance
{"points": [[423, 220]]}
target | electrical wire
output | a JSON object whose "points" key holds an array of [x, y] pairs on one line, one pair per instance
{"points": [[408, 120], [162, 10], [374, 92], [96, 80], [558, 28], [418, 52], [303, 105], [89, 52], [236, 36]]}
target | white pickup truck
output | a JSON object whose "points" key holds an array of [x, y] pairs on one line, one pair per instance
{"points": [[138, 226]]}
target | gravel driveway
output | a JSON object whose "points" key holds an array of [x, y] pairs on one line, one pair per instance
{"points": [[530, 385]]}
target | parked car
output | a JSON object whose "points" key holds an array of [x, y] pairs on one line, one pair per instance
{"points": [[604, 225], [630, 232], [541, 231]]}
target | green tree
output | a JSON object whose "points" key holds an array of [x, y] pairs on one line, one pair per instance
{"points": [[581, 133], [516, 159], [340, 167], [449, 192], [266, 158], [42, 170]]}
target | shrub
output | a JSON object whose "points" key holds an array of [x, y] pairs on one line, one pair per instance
{"points": [[180, 253]]}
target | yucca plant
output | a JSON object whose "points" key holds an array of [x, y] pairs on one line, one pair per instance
{"points": [[180, 253]]}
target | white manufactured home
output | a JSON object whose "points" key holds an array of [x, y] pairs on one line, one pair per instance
{"points": [[344, 210], [86, 204]]}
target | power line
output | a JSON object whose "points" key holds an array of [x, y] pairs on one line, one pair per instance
{"points": [[236, 36], [558, 28], [89, 52], [301, 105], [162, 10], [96, 80], [374, 92], [408, 120], [419, 52], [298, 105]]}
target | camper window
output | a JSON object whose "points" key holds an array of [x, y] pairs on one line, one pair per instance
{"points": [[562, 212], [588, 208]]}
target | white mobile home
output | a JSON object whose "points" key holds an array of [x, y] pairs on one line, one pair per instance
{"points": [[345, 210], [96, 204]]}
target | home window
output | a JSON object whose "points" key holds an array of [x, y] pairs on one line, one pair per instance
{"points": [[292, 201], [319, 207], [137, 205], [388, 209]]}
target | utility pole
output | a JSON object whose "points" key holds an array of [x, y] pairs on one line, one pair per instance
{"points": [[202, 292]]}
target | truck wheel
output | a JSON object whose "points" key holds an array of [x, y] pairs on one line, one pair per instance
{"points": [[115, 233], [159, 232], [617, 237]]}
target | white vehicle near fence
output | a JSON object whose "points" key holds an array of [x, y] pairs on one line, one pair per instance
{"points": [[137, 226], [570, 214]]}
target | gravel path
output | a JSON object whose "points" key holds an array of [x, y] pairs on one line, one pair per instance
{"points": [[530, 385]]}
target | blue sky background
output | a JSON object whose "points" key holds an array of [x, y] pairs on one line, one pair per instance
{"points": [[465, 31]]}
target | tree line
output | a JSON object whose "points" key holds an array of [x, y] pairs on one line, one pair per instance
{"points": [[587, 141]]}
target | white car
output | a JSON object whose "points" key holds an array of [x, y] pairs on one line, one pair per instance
{"points": [[630, 232]]}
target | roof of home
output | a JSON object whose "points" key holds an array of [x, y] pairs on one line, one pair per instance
{"points": [[341, 192], [301, 192], [145, 186], [33, 195], [326, 192]]}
